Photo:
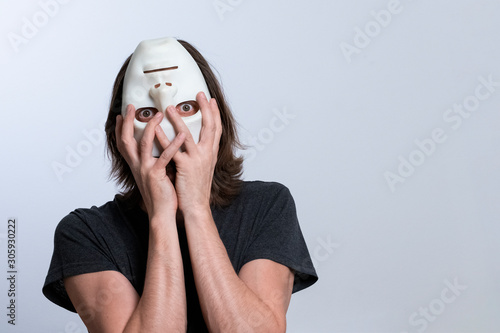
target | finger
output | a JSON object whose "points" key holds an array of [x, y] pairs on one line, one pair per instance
{"points": [[181, 127], [216, 114], [125, 142], [146, 144], [217, 121], [128, 122], [162, 137], [207, 133], [118, 127], [218, 131], [169, 152]]}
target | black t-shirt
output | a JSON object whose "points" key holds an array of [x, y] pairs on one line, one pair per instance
{"points": [[260, 223]]}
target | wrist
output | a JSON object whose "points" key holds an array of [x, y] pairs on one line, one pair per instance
{"points": [[161, 210], [197, 213], [161, 220]]}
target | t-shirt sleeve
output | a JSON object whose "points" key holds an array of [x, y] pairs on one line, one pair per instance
{"points": [[78, 249], [277, 236]]}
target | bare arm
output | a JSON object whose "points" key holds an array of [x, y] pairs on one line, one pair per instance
{"points": [[254, 301], [162, 306], [257, 299], [107, 301]]}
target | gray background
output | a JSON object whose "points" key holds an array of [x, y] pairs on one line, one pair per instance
{"points": [[385, 253]]}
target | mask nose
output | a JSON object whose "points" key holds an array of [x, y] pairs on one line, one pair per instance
{"points": [[163, 95]]}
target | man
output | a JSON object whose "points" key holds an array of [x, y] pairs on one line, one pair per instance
{"points": [[188, 246]]}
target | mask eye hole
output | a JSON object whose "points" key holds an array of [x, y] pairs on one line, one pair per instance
{"points": [[187, 108], [145, 114]]}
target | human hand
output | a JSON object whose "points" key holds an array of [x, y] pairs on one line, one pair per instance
{"points": [[195, 165], [150, 174]]}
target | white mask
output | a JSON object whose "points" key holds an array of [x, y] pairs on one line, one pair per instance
{"points": [[161, 72]]}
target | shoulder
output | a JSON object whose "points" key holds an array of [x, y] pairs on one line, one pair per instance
{"points": [[83, 220], [257, 203], [84, 242], [264, 190], [261, 202], [259, 185], [258, 198], [274, 231]]}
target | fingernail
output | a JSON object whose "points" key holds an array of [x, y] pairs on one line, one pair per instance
{"points": [[129, 107]]}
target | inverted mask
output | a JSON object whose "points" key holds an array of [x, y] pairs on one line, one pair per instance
{"points": [[161, 72]]}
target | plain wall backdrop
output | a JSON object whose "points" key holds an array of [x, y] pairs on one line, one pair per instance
{"points": [[381, 116]]}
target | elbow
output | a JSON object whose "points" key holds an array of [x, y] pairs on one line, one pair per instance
{"points": [[184, 326], [281, 326], [276, 328], [273, 323], [277, 325]]}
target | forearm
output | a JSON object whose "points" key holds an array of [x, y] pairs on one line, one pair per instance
{"points": [[227, 303], [162, 306]]}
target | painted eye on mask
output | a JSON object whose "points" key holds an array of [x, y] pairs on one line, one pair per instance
{"points": [[188, 108], [145, 114]]}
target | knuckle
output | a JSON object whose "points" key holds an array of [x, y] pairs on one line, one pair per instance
{"points": [[144, 174], [166, 155], [125, 142], [143, 144]]}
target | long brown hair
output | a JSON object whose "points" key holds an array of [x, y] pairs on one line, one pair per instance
{"points": [[226, 182]]}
